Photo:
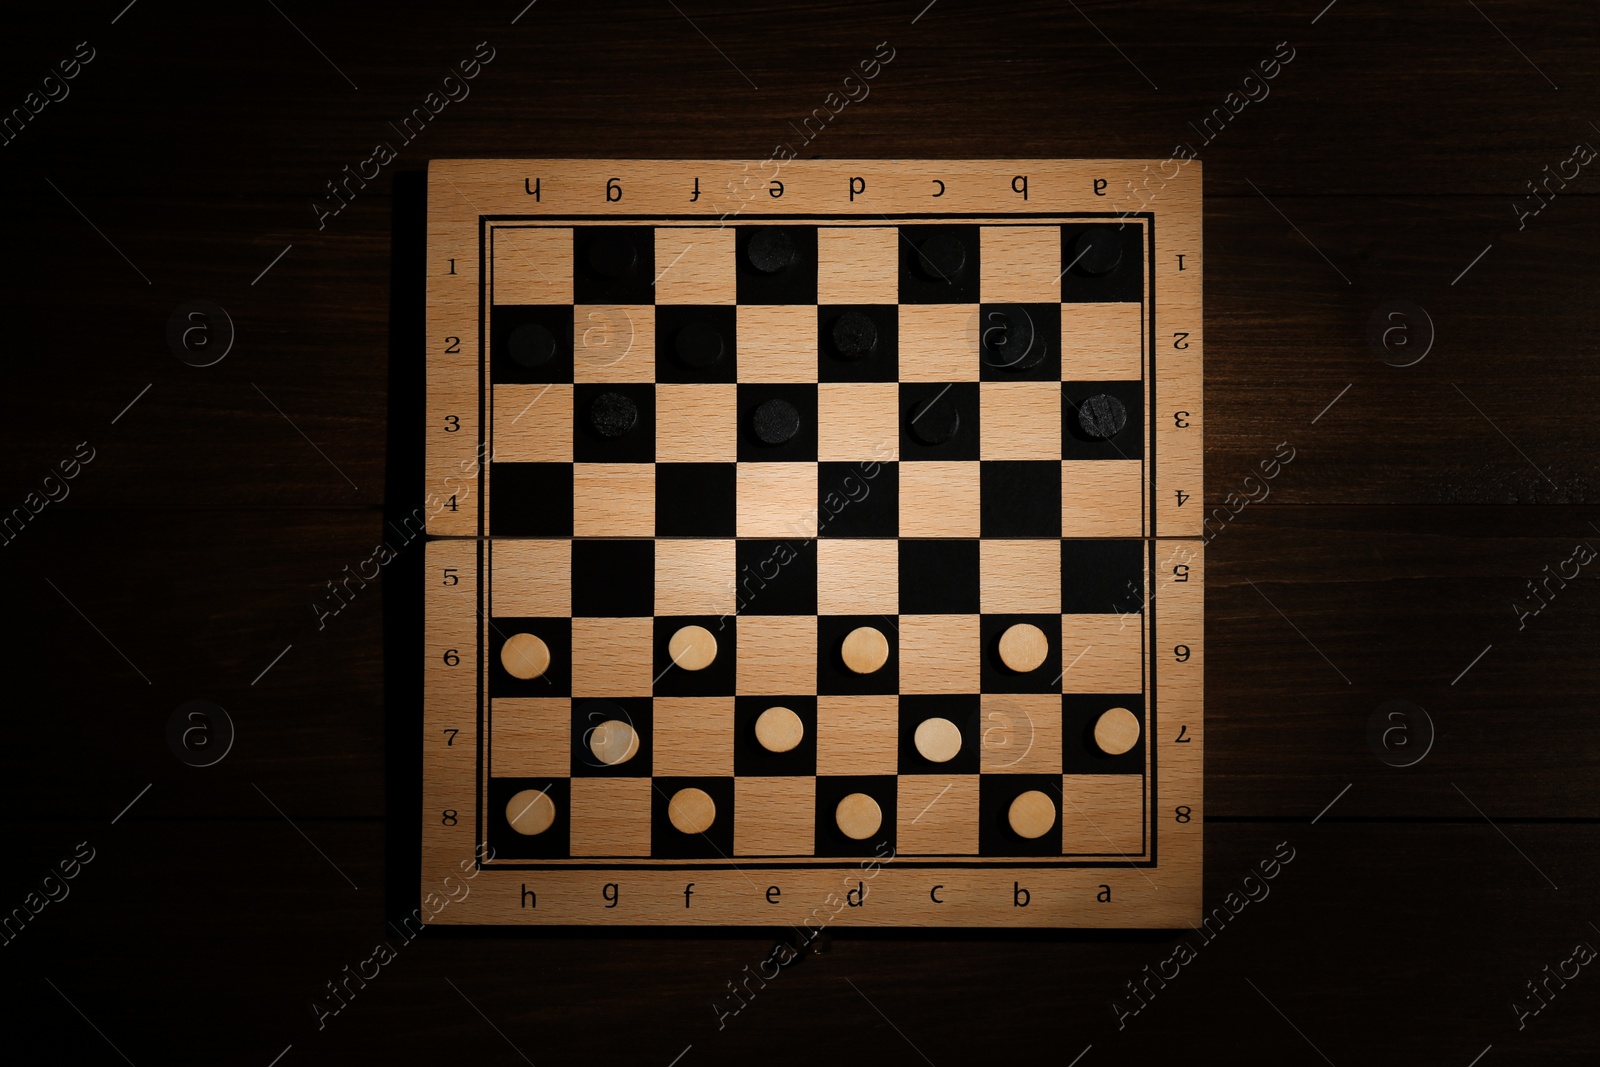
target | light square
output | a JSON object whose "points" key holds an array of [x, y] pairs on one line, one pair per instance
{"points": [[697, 423], [1102, 342], [858, 265], [937, 815], [777, 342], [612, 657], [1020, 263], [532, 264], [612, 343], [859, 421], [1020, 577], [614, 500], [1021, 734], [1019, 420], [692, 735], [532, 579], [533, 423], [858, 576], [695, 266], [610, 817], [694, 577], [774, 816], [1102, 498], [858, 734], [777, 653], [1102, 653], [939, 500], [1103, 813], [939, 654], [531, 737], [938, 342], [777, 500]]}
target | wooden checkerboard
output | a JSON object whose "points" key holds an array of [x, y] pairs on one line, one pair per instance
{"points": [[768, 406]]}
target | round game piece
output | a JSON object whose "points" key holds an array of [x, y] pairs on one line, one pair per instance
{"points": [[612, 414], [613, 256], [770, 250], [1023, 647], [530, 812], [1008, 340], [699, 344], [525, 656], [779, 729], [854, 335], [775, 422], [692, 811], [613, 742], [865, 650], [936, 421], [693, 648], [937, 740], [1102, 416], [858, 816], [1096, 251], [531, 345], [941, 258], [1116, 731], [1032, 814]]}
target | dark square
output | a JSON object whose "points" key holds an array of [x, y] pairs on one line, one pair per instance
{"points": [[522, 333], [996, 677], [833, 677], [964, 711], [695, 499], [831, 841], [614, 265], [858, 499], [713, 681], [681, 330], [1125, 281], [754, 413], [556, 681], [751, 760], [794, 284], [1079, 753], [1102, 577], [939, 577], [591, 715], [668, 842], [1019, 342], [838, 356], [924, 277], [504, 842], [943, 396], [531, 499], [611, 578], [776, 577], [1078, 443], [596, 411], [1020, 498], [995, 794]]}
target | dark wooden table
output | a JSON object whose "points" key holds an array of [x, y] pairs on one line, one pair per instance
{"points": [[1387, 563]]}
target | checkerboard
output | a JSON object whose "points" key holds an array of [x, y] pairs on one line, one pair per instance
{"points": [[1062, 493]]}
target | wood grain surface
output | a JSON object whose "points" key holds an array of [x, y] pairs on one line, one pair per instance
{"points": [[192, 556]]}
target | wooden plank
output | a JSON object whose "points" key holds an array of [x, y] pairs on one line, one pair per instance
{"points": [[108, 924], [1401, 600], [1293, 336], [1338, 88]]}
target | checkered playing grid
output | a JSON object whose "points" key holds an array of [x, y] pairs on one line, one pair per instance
{"points": [[632, 427]]}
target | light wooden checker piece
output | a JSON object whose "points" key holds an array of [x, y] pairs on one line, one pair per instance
{"points": [[524, 215]]}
